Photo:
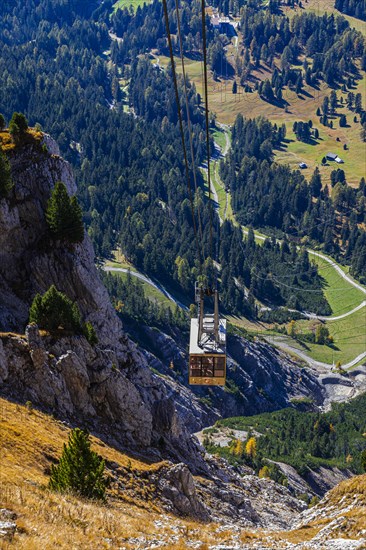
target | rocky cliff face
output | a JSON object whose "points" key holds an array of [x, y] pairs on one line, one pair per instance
{"points": [[260, 379], [109, 387]]}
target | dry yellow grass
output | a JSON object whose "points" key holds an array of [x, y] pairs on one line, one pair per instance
{"points": [[29, 442], [348, 489], [132, 517], [347, 492]]}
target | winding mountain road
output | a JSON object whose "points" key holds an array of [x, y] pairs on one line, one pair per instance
{"points": [[339, 270], [282, 343], [331, 262], [147, 280]]}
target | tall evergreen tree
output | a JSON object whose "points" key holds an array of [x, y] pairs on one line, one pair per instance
{"points": [[5, 175], [64, 215], [18, 126], [80, 469], [54, 310]]}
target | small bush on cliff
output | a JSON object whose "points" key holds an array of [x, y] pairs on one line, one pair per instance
{"points": [[89, 333], [64, 216], [55, 310], [80, 469], [5, 176], [18, 126]]}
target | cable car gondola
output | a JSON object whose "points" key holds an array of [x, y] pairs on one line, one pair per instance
{"points": [[207, 350], [207, 347]]}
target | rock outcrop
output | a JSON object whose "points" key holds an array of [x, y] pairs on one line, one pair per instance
{"points": [[7, 524], [339, 518]]}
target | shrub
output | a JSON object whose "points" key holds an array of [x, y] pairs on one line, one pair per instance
{"points": [[80, 469], [55, 310], [64, 215], [89, 333]]}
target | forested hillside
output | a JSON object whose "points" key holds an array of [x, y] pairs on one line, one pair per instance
{"points": [[304, 440], [357, 8], [113, 112], [129, 164]]}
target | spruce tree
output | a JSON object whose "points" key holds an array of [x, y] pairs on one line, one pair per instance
{"points": [[55, 310], [363, 460], [18, 126], [64, 215], [80, 469], [5, 176], [343, 121]]}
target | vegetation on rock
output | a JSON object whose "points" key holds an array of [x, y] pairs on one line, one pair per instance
{"points": [[5, 176], [18, 126], [55, 310], [64, 216]]}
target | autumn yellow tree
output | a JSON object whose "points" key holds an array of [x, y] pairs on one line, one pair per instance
{"points": [[251, 447], [292, 329], [264, 472], [237, 448]]}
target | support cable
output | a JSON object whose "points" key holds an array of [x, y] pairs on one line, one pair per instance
{"points": [[204, 40], [166, 16], [189, 123]]}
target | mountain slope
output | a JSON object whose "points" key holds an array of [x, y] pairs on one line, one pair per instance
{"points": [[137, 514]]}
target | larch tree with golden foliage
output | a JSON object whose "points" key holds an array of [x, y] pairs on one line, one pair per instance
{"points": [[251, 447], [238, 448]]}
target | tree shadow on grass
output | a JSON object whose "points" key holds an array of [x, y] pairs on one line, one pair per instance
{"points": [[306, 94]]}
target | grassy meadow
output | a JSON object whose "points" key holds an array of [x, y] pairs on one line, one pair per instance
{"points": [[134, 4]]}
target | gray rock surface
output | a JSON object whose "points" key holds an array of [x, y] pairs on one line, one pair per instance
{"points": [[7, 524], [178, 486]]}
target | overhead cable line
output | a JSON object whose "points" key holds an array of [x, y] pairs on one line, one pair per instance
{"points": [[166, 16], [204, 42], [189, 123]]}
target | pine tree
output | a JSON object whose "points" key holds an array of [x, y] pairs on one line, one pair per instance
{"points": [[54, 310], [80, 469], [363, 460], [64, 216], [2, 122], [5, 176], [343, 121], [18, 126], [316, 183]]}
